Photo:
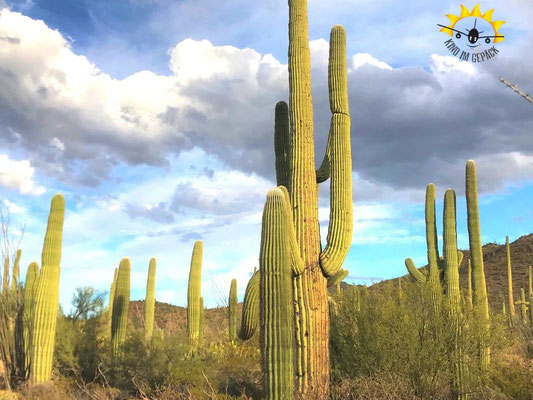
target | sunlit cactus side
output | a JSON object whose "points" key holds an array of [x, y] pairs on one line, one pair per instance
{"points": [[278, 260], [194, 293], [469, 285], [509, 279], [201, 327], [16, 269], [30, 286], [311, 296], [121, 303], [433, 276], [523, 306], [250, 308], [149, 302], [47, 295], [232, 317]]}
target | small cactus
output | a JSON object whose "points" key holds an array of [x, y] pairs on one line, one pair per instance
{"points": [[233, 311], [250, 308], [194, 294], [121, 303], [149, 302]]}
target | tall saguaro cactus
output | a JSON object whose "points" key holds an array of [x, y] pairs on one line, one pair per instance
{"points": [[512, 311], [47, 295], [194, 294], [233, 311], [121, 303], [311, 297], [149, 302], [279, 259], [480, 299]]}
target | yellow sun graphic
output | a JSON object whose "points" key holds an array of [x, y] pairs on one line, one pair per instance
{"points": [[474, 13]]}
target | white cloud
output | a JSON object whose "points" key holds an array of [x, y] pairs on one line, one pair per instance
{"points": [[361, 59], [13, 208], [18, 175]]}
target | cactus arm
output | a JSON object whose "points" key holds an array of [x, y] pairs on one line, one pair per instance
{"points": [[47, 295], [282, 144], [414, 271], [431, 236], [324, 171], [121, 303], [250, 308], [194, 294], [30, 286], [338, 277], [297, 263], [276, 312], [149, 303], [451, 255], [460, 256], [15, 276], [340, 230], [233, 311]]}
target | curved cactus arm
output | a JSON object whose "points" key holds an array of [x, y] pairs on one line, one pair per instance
{"points": [[324, 171], [338, 277], [282, 144], [250, 308], [414, 271], [340, 228], [297, 263], [460, 256]]}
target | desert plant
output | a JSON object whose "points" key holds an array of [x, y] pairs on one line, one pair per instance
{"points": [[250, 308], [512, 311], [149, 303], [121, 302], [232, 311], [194, 293]]}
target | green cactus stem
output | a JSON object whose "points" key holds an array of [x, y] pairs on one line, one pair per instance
{"points": [[121, 303], [30, 288], [201, 327], [282, 144], [232, 312], [512, 311], [47, 295], [5, 280], [523, 306], [149, 302], [16, 269], [530, 296], [469, 283], [250, 308], [194, 293]]}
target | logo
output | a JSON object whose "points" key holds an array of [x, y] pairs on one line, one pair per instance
{"points": [[474, 35]]}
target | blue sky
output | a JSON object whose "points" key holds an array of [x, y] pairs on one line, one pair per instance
{"points": [[154, 119]]}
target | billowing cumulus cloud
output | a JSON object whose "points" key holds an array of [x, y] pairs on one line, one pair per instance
{"points": [[18, 175]]}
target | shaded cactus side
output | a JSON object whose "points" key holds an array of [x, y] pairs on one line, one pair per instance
{"points": [[149, 302], [250, 308], [194, 294], [232, 311], [30, 288], [47, 295], [121, 303]]}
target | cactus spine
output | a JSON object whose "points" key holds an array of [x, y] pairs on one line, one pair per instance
{"points": [[30, 286], [480, 299], [47, 295], [278, 259], [121, 303], [233, 311], [16, 269], [509, 279], [250, 308], [194, 294], [149, 302], [311, 298]]}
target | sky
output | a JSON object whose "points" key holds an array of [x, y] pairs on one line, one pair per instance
{"points": [[154, 119]]}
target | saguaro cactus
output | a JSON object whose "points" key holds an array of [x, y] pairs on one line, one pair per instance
{"points": [[5, 280], [30, 288], [523, 306], [47, 295], [233, 311], [149, 302], [279, 259], [311, 297], [530, 296], [250, 308], [201, 327], [512, 311], [194, 294], [121, 303]]}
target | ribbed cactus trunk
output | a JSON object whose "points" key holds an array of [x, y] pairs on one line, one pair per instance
{"points": [[433, 276], [111, 298], [275, 291], [30, 289], [453, 294], [149, 302], [47, 295], [523, 306], [250, 308], [232, 317], [121, 303], [194, 294], [5, 280], [480, 298], [512, 311], [201, 327], [311, 298], [469, 302], [16, 269]]}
